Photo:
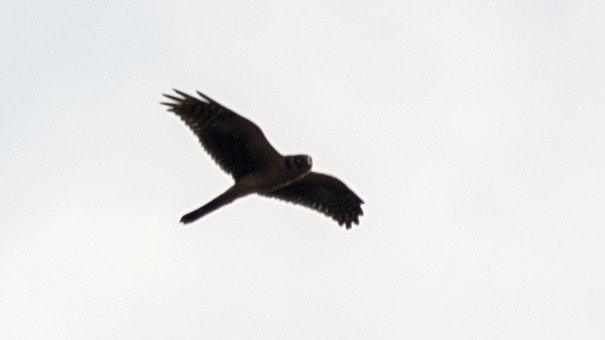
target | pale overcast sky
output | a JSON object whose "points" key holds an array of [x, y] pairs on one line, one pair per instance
{"points": [[473, 130]]}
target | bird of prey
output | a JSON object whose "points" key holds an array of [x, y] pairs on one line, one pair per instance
{"points": [[241, 149]]}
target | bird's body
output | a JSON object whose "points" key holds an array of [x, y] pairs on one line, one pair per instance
{"points": [[241, 149]]}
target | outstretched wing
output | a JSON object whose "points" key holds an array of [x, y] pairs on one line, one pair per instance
{"points": [[325, 194], [237, 145]]}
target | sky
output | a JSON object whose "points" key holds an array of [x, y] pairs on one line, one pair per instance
{"points": [[473, 130]]}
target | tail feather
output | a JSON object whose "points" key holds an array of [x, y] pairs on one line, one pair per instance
{"points": [[223, 199]]}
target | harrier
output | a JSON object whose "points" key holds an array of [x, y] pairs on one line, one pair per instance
{"points": [[241, 149]]}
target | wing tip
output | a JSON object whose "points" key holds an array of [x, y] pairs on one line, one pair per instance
{"points": [[183, 94], [210, 100]]}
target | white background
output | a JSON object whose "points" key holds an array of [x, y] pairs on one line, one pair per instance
{"points": [[473, 130]]}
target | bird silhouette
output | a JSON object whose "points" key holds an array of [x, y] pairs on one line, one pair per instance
{"points": [[241, 149]]}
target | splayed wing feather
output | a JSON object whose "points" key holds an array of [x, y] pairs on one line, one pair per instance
{"points": [[325, 194], [237, 145]]}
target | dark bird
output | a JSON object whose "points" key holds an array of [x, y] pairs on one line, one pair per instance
{"points": [[241, 149]]}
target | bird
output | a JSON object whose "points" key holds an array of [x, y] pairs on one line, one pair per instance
{"points": [[241, 149]]}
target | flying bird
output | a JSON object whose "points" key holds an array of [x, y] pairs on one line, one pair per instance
{"points": [[241, 149]]}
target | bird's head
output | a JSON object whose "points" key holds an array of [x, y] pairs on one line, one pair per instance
{"points": [[301, 164]]}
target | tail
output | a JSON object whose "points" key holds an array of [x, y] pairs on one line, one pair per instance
{"points": [[223, 199]]}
